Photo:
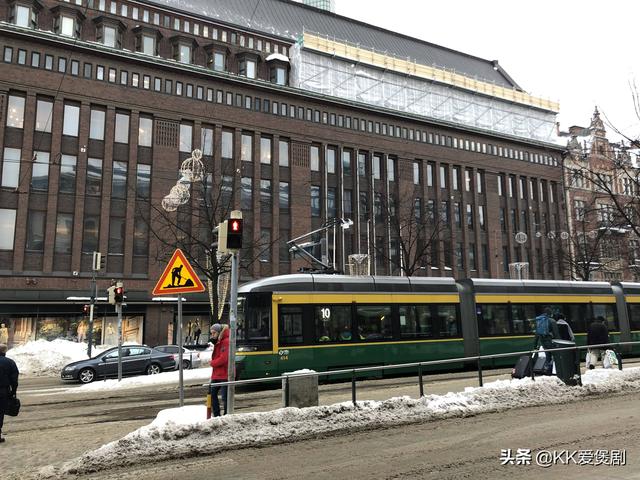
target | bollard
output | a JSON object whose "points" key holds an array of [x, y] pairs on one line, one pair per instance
{"points": [[353, 387], [420, 381], [209, 402]]}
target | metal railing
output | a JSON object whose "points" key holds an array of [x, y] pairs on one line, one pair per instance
{"points": [[477, 359]]}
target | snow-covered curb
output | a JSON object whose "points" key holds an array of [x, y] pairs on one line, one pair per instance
{"points": [[166, 378], [182, 433], [42, 358]]}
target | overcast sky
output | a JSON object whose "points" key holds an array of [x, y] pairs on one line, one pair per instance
{"points": [[581, 54]]}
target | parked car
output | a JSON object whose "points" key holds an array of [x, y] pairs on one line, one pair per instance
{"points": [[190, 358], [136, 360]]}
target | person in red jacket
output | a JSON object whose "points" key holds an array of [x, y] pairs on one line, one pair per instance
{"points": [[220, 364]]}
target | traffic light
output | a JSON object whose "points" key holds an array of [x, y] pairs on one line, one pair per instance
{"points": [[234, 234], [85, 309], [111, 291], [119, 293], [222, 237], [98, 262]]}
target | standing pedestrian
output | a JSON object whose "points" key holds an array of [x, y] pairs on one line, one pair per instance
{"points": [[8, 383], [546, 330], [598, 334], [220, 364]]}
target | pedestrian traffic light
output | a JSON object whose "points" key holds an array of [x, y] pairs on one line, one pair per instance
{"points": [[119, 292], [85, 309], [112, 294], [234, 234], [98, 262]]}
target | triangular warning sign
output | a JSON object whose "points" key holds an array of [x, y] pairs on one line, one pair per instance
{"points": [[178, 277]]}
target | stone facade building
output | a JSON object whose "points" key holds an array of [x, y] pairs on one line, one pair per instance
{"points": [[101, 101]]}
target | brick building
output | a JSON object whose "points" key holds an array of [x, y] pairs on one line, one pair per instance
{"points": [[601, 183], [101, 101]]}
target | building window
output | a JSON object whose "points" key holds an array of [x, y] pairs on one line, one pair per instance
{"points": [[71, 120], [284, 196], [147, 41], [35, 59], [183, 51], [246, 148], [15, 112], [206, 141], [122, 128], [481, 216], [11, 167], [68, 174], [66, 26], [279, 75], [469, 216], [8, 228], [265, 196], [218, 61], [108, 34], [44, 112], [479, 182], [416, 173], [23, 16], [455, 178], [119, 180], [227, 144], [443, 176], [283, 153], [116, 235], [314, 158], [265, 150], [315, 201], [94, 176], [377, 160], [143, 181], [145, 132], [64, 232], [40, 172], [391, 169], [430, 172], [96, 126], [346, 162], [247, 67], [35, 230], [246, 193], [186, 135], [91, 229]]}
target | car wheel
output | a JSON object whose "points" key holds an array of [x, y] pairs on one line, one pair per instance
{"points": [[153, 369], [86, 375], [186, 364]]}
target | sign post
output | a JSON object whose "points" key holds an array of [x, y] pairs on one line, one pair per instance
{"points": [[178, 278]]}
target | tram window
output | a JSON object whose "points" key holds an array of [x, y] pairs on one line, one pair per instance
{"points": [[575, 314], [290, 325], [374, 322], [415, 321], [608, 312], [634, 316], [493, 320], [259, 324], [524, 318], [448, 321], [333, 323]]}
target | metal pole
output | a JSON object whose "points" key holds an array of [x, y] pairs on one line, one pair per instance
{"points": [[119, 312], [94, 294], [180, 374], [353, 387], [480, 371], [233, 310], [420, 380]]}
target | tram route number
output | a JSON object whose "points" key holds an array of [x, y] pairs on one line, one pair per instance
{"points": [[284, 354], [325, 313]]}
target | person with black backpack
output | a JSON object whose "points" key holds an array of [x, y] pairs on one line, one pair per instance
{"points": [[8, 383]]}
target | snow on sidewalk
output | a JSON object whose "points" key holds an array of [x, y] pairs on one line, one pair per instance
{"points": [[41, 358], [184, 432]]}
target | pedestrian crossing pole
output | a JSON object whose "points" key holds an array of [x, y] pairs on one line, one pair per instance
{"points": [[233, 246]]}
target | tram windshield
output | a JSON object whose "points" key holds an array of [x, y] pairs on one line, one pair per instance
{"points": [[254, 322]]}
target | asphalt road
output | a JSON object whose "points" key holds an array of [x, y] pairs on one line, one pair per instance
{"points": [[57, 424]]}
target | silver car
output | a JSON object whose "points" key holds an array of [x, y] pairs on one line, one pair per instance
{"points": [[190, 358]]}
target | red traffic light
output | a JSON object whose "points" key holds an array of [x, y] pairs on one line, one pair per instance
{"points": [[234, 234]]}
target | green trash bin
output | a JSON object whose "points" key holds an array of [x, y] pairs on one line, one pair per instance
{"points": [[567, 362]]}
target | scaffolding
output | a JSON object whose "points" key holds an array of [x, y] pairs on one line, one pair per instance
{"points": [[338, 69]]}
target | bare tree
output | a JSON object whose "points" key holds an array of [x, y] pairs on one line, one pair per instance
{"points": [[595, 242], [414, 230], [191, 228]]}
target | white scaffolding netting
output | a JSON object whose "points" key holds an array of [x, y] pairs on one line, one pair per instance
{"points": [[359, 82]]}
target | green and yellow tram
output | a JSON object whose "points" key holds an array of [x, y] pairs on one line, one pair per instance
{"points": [[332, 322]]}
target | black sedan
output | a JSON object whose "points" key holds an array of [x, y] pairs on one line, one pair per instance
{"points": [[136, 359]]}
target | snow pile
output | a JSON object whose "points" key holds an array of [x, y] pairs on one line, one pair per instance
{"points": [[166, 378], [184, 432], [47, 358]]}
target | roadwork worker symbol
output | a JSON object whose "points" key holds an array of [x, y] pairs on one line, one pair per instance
{"points": [[178, 277]]}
